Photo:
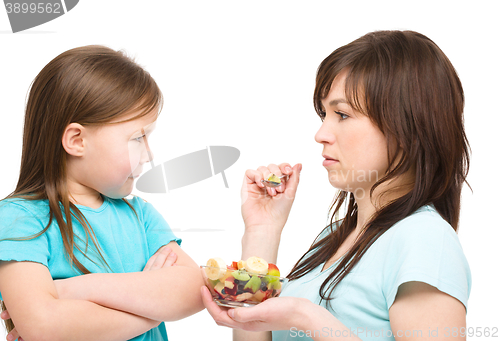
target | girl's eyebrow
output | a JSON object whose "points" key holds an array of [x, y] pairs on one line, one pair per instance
{"points": [[147, 129]]}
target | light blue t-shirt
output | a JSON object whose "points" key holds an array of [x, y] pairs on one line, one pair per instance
{"points": [[422, 247], [126, 242]]}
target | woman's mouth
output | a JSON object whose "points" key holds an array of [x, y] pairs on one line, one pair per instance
{"points": [[329, 161]]}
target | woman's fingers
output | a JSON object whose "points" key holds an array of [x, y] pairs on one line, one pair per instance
{"points": [[262, 173], [293, 181], [244, 315], [219, 315], [254, 176]]}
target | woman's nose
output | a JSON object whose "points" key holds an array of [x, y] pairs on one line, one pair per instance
{"points": [[324, 134]]}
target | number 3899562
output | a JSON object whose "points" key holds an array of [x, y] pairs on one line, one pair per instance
{"points": [[40, 7]]}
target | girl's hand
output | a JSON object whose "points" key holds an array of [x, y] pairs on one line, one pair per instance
{"points": [[164, 257], [280, 313], [70, 289], [264, 206], [13, 335]]}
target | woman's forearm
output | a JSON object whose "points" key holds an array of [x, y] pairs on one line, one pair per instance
{"points": [[319, 324], [263, 243], [243, 335], [166, 294]]}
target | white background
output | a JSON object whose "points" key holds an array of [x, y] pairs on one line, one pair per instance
{"points": [[228, 67]]}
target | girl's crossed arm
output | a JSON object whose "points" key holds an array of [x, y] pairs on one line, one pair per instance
{"points": [[164, 294], [31, 297]]}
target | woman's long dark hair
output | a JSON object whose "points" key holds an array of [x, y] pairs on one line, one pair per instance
{"points": [[407, 86], [89, 85]]}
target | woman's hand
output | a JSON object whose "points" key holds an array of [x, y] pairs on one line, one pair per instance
{"points": [[264, 206], [278, 313]]}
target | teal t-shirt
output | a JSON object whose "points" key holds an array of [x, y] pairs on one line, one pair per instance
{"points": [[422, 247], [126, 241]]}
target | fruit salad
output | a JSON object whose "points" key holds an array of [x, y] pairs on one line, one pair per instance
{"points": [[242, 283]]}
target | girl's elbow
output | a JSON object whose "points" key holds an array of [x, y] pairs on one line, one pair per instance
{"points": [[39, 329]]}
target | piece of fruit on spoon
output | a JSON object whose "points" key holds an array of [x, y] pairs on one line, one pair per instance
{"points": [[274, 178]]}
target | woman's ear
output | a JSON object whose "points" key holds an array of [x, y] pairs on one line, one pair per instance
{"points": [[72, 139]]}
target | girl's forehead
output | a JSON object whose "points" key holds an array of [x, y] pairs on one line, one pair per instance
{"points": [[140, 122], [142, 125]]}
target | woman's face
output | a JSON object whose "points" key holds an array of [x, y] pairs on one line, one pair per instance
{"points": [[354, 148]]}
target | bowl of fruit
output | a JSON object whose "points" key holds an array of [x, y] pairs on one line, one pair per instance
{"points": [[243, 283]]}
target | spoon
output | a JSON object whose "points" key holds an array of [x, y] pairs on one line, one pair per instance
{"points": [[273, 183]]}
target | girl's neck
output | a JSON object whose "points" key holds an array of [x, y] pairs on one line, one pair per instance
{"points": [[87, 200]]}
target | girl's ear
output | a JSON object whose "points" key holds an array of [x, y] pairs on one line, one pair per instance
{"points": [[72, 139]]}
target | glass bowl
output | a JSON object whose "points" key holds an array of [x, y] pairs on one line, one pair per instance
{"points": [[239, 288]]}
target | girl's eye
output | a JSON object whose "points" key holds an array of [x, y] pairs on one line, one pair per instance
{"points": [[139, 139], [342, 115]]}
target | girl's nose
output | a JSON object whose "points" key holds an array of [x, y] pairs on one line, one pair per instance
{"points": [[147, 155]]}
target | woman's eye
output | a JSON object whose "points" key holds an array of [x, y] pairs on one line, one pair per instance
{"points": [[342, 115], [322, 115]]}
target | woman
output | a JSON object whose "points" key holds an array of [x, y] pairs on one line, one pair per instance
{"points": [[391, 106]]}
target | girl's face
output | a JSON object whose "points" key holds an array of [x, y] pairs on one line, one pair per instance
{"points": [[115, 155], [355, 150]]}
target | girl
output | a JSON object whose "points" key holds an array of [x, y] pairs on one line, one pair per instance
{"points": [[88, 116], [391, 107]]}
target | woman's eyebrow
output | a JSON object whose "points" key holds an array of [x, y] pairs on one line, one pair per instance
{"points": [[334, 102]]}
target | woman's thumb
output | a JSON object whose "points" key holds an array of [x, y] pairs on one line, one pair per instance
{"points": [[243, 315], [293, 181]]}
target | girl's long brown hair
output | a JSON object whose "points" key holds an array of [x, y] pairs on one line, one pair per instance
{"points": [[90, 85], [410, 90]]}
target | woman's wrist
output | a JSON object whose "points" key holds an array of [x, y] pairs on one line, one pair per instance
{"points": [[310, 317], [303, 315]]}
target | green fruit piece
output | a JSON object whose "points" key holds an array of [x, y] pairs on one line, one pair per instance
{"points": [[271, 279], [253, 284], [276, 285], [241, 275], [212, 282]]}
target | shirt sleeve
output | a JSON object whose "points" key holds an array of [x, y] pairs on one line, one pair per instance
{"points": [[158, 232], [18, 225], [425, 248]]}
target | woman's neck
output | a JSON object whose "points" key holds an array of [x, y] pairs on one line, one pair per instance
{"points": [[382, 196]]}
